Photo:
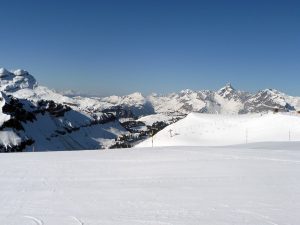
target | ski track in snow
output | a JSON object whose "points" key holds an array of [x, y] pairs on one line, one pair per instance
{"points": [[35, 220], [257, 215], [223, 130], [77, 220], [154, 186]]}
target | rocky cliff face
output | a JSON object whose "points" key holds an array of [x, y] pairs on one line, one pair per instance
{"points": [[46, 125]]}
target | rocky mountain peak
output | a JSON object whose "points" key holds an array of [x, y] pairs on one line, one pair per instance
{"points": [[227, 88], [186, 91], [14, 81], [4, 72], [228, 92]]}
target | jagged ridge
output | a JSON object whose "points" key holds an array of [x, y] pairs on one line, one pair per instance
{"points": [[33, 115]]}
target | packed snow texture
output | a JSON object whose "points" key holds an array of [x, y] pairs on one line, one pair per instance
{"points": [[216, 130], [245, 185]]}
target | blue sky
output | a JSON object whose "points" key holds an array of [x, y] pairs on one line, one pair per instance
{"points": [[118, 47]]}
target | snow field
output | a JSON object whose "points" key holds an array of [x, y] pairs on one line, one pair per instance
{"points": [[218, 130], [253, 184]]}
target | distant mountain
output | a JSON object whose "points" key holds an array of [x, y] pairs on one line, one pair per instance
{"points": [[35, 117], [227, 100]]}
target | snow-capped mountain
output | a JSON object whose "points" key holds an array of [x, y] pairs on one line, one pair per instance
{"points": [[269, 99], [46, 125], [14, 81], [227, 100], [35, 117]]}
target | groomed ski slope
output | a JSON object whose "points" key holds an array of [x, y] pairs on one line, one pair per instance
{"points": [[199, 129], [244, 185]]}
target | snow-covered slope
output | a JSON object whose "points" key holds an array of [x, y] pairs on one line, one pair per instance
{"points": [[16, 80], [245, 185], [35, 118], [227, 100], [48, 129], [213, 130], [269, 99], [46, 125]]}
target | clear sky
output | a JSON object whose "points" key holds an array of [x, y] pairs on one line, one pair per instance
{"points": [[109, 47]]}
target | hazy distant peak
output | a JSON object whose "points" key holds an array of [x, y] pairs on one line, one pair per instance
{"points": [[226, 100], [272, 91], [228, 86], [136, 96], [186, 91], [228, 92]]}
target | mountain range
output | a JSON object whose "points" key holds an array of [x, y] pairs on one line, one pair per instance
{"points": [[36, 118]]}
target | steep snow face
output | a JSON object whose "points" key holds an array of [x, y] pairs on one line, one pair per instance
{"points": [[3, 100], [7, 136], [72, 132], [228, 92], [45, 125], [231, 100], [212, 130]]}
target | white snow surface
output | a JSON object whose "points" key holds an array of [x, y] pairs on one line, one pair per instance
{"points": [[199, 129], [149, 120], [3, 117], [14, 81], [8, 137], [253, 184]]}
